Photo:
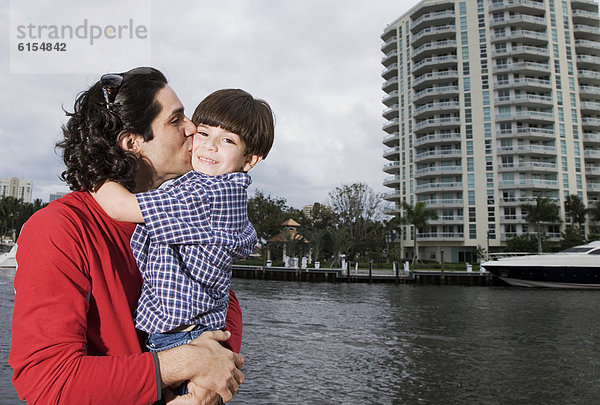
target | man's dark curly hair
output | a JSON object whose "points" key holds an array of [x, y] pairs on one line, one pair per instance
{"points": [[90, 148]]}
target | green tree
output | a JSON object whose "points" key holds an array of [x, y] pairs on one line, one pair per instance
{"points": [[418, 216], [571, 237], [14, 213], [575, 210], [543, 211], [356, 207], [266, 214], [594, 214], [523, 243]]}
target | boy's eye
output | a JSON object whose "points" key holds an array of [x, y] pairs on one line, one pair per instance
{"points": [[229, 140]]}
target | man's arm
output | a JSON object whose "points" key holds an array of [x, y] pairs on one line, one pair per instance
{"points": [[118, 202]]}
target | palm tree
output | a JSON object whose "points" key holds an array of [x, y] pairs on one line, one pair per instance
{"points": [[575, 210], [594, 213], [544, 210], [418, 216]]}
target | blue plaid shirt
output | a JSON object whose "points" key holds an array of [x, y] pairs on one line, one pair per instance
{"points": [[194, 229]]}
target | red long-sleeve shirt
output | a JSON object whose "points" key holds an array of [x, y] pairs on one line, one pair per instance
{"points": [[77, 284]]}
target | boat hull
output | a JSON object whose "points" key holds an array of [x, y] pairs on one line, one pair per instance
{"points": [[577, 277]]}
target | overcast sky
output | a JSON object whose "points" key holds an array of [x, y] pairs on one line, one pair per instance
{"points": [[317, 62]]}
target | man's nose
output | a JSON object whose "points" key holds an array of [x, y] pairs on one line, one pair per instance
{"points": [[189, 128]]}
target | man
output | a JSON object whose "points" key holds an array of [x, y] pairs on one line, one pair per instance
{"points": [[77, 283]]}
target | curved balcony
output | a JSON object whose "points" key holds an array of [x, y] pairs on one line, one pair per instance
{"points": [[433, 139], [590, 122], [531, 53], [524, 84], [436, 123], [389, 44], [391, 140], [391, 98], [582, 31], [589, 5], [438, 154], [391, 112], [523, 68], [457, 185], [390, 85], [524, 21], [589, 77], [392, 181], [391, 168], [528, 167], [527, 116], [518, 6], [390, 71], [430, 108], [433, 34], [441, 236], [390, 57], [591, 154], [589, 90], [434, 92], [587, 47], [392, 153], [592, 170], [528, 183], [591, 138], [428, 79], [532, 133], [391, 126], [431, 48], [443, 202], [436, 171], [524, 36], [585, 17], [532, 100], [392, 196], [587, 61], [589, 107], [438, 62], [439, 17], [527, 150]]}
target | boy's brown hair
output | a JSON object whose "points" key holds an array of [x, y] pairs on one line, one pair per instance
{"points": [[236, 111]]}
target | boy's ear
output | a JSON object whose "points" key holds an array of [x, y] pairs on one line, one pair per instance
{"points": [[130, 142], [251, 161]]}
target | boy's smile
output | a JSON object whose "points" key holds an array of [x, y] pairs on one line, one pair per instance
{"points": [[217, 151]]}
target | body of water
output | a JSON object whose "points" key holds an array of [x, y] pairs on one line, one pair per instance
{"points": [[322, 343]]}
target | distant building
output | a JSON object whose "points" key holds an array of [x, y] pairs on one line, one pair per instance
{"points": [[17, 188], [56, 196], [308, 209]]}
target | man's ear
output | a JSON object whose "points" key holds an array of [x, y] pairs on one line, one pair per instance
{"points": [[130, 142], [251, 161]]}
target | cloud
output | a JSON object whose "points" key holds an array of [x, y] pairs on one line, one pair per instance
{"points": [[316, 62]]}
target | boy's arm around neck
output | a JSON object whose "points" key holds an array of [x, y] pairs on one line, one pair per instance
{"points": [[118, 202]]}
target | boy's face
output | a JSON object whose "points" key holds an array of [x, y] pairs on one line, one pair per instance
{"points": [[217, 151]]}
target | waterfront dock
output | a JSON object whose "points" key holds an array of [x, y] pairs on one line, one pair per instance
{"points": [[433, 277]]}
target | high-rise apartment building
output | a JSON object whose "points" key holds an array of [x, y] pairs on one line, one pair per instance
{"points": [[17, 188], [488, 105]]}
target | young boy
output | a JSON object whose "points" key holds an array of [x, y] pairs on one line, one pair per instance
{"points": [[196, 226]]}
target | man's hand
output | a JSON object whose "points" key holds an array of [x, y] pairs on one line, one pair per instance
{"points": [[205, 363], [196, 396]]}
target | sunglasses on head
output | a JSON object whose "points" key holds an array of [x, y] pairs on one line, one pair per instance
{"points": [[110, 87]]}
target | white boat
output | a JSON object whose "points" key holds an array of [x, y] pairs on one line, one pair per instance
{"points": [[8, 260], [576, 267]]}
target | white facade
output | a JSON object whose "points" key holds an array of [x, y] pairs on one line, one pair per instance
{"points": [[489, 104], [17, 188]]}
